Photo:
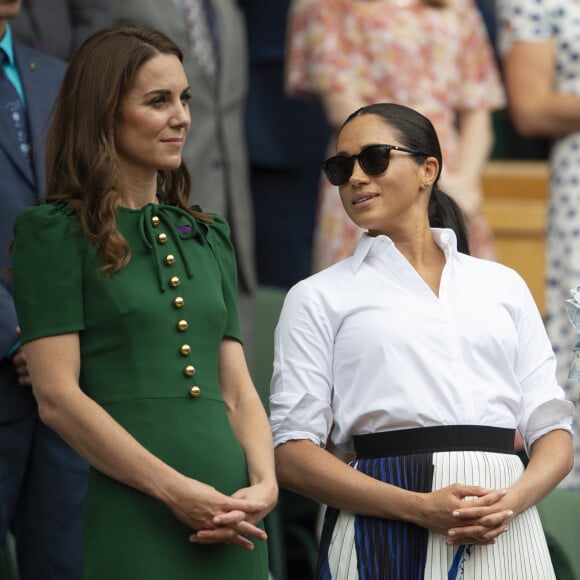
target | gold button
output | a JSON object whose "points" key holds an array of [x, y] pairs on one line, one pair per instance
{"points": [[174, 281], [182, 325], [155, 220], [161, 238], [185, 349], [178, 302], [189, 370], [169, 259], [195, 391]]}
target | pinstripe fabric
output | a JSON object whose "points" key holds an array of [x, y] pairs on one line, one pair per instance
{"points": [[519, 554], [363, 548]]}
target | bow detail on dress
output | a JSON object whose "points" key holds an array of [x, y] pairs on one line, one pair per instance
{"points": [[179, 224]]}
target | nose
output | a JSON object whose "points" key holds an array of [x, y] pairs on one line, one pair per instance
{"points": [[181, 116], [358, 175]]}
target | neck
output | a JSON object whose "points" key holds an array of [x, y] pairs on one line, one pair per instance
{"points": [[136, 192], [3, 26], [418, 247]]}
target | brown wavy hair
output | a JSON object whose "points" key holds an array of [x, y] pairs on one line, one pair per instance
{"points": [[81, 154]]}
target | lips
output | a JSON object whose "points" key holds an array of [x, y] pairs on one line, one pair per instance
{"points": [[364, 198]]}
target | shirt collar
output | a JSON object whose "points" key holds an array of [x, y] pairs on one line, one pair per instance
{"points": [[7, 46], [445, 238]]}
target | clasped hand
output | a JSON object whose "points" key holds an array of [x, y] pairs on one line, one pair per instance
{"points": [[469, 514], [218, 518]]}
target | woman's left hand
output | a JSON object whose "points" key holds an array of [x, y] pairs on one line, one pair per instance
{"points": [[482, 525], [233, 527]]}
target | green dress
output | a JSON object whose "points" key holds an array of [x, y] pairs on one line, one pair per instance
{"points": [[149, 339]]}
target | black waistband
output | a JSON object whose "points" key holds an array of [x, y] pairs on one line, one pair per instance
{"points": [[433, 439]]}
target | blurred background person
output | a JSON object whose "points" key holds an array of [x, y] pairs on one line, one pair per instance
{"points": [[287, 138], [58, 27], [42, 480], [545, 35], [432, 55], [212, 35]]}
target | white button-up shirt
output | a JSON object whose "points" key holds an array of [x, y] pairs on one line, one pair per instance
{"points": [[366, 346]]}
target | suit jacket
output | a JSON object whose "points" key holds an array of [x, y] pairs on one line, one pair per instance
{"points": [[20, 187], [215, 150], [283, 132], [58, 27]]}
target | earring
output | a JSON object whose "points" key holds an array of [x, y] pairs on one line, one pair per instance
{"points": [[424, 185]]}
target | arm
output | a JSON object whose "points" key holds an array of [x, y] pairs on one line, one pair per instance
{"points": [[250, 425], [535, 107], [552, 457], [312, 471], [54, 364], [338, 106], [475, 143]]}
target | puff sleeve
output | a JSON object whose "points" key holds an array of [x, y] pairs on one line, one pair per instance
{"points": [[47, 269], [218, 237]]}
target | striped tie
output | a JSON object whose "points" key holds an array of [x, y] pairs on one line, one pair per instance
{"points": [[199, 33], [12, 109]]}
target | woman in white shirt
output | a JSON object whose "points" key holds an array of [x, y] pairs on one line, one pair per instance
{"points": [[422, 361]]}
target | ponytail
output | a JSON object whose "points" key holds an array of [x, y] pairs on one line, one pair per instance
{"points": [[445, 213]]}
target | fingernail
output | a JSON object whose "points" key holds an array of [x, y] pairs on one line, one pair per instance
{"points": [[503, 491], [510, 513], [451, 533], [456, 514]]}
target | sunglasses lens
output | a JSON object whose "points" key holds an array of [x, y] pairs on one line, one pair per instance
{"points": [[374, 160], [338, 169]]}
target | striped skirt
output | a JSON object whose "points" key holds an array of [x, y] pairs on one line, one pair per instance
{"points": [[356, 547]]}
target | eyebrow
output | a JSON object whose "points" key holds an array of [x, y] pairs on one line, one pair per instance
{"points": [[165, 91], [347, 154]]}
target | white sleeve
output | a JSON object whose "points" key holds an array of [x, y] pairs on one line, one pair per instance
{"points": [[301, 389], [544, 406]]}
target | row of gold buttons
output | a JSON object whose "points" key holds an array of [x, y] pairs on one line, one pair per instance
{"points": [[178, 302]]}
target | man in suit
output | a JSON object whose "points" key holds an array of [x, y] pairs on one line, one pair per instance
{"points": [[287, 141], [42, 480], [58, 27], [215, 150]]}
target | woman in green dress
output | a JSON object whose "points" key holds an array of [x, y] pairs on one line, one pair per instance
{"points": [[126, 298]]}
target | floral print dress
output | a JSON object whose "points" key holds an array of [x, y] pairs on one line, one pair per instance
{"points": [[436, 60]]}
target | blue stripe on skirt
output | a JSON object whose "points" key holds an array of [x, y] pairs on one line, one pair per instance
{"points": [[386, 549]]}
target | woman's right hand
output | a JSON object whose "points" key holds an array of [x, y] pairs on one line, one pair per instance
{"points": [[196, 504], [439, 511]]}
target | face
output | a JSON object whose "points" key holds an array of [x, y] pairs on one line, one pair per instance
{"points": [[154, 118], [393, 199], [8, 9]]}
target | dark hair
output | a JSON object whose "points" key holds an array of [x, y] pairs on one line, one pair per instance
{"points": [[416, 132], [81, 154]]}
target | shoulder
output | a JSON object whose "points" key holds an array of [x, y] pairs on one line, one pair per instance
{"points": [[327, 291], [47, 220], [494, 278], [216, 229], [34, 58]]}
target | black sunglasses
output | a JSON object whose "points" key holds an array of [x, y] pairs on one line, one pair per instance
{"points": [[373, 160]]}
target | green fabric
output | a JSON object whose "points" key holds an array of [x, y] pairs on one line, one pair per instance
{"points": [[133, 366], [8, 564], [560, 516]]}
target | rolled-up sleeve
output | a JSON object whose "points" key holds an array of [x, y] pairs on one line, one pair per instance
{"points": [[544, 405], [301, 389]]}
